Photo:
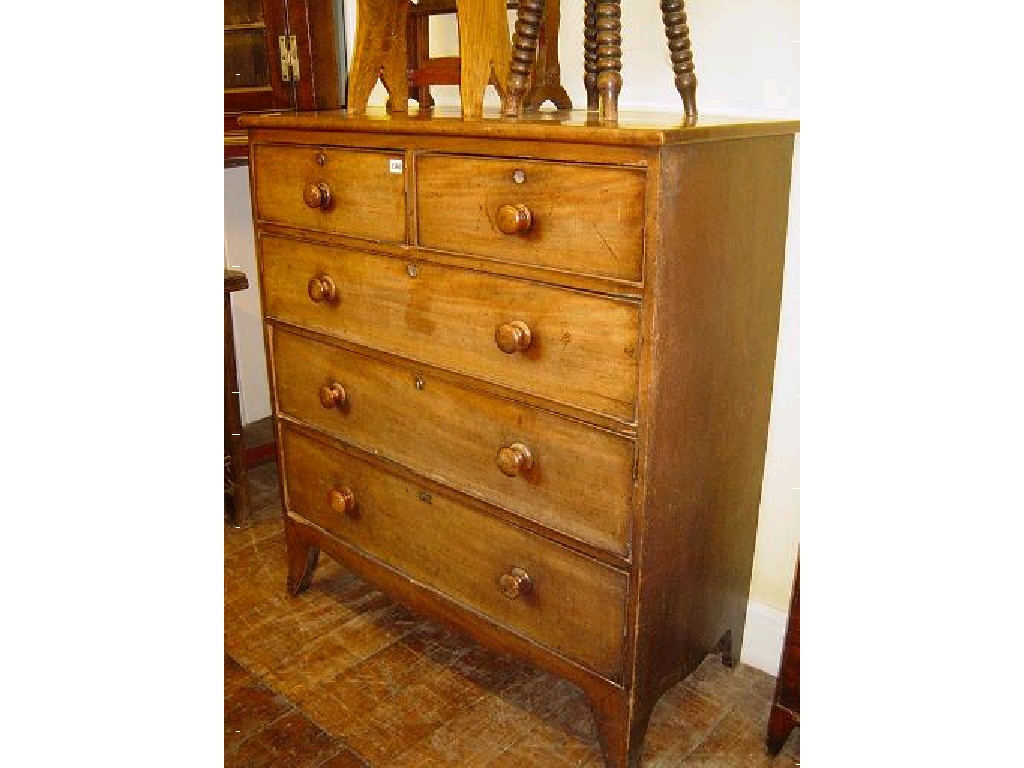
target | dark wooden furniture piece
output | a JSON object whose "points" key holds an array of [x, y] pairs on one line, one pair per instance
{"points": [[522, 374], [425, 71], [785, 712], [602, 45], [236, 488], [278, 55]]}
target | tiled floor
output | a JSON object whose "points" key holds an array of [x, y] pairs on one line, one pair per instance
{"points": [[341, 677]]}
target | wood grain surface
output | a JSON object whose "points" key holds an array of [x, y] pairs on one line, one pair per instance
{"points": [[580, 481], [585, 218], [576, 606], [447, 317], [367, 198]]}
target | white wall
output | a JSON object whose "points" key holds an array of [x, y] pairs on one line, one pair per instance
{"points": [[240, 252], [747, 60]]}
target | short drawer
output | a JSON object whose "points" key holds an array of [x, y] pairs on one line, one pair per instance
{"points": [[561, 473], [560, 599], [568, 346], [340, 191], [580, 218]]}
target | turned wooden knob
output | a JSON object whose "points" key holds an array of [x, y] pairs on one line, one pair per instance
{"points": [[317, 196], [512, 337], [514, 458], [322, 288], [514, 219], [515, 583], [343, 501], [332, 395]]}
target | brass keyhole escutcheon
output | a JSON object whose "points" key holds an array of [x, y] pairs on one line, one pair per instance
{"points": [[519, 176], [418, 383], [412, 270], [321, 159]]}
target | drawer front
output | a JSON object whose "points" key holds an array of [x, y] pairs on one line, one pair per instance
{"points": [[357, 194], [579, 218], [564, 474], [582, 349], [573, 604]]}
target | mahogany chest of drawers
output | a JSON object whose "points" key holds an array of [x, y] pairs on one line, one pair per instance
{"points": [[522, 374]]}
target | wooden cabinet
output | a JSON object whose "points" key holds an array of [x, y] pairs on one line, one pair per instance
{"points": [[522, 374], [280, 56], [785, 711]]}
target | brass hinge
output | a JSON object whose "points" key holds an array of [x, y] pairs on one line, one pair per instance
{"points": [[289, 58]]}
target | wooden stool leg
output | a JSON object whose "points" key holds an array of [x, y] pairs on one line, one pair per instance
{"points": [[673, 13], [547, 72], [418, 40], [380, 52], [590, 54], [609, 56], [484, 53], [524, 54]]}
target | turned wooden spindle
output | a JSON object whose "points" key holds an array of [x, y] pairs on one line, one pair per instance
{"points": [[322, 288], [590, 54], [513, 337], [514, 458], [333, 395], [609, 57], [673, 13], [515, 583], [524, 54]]}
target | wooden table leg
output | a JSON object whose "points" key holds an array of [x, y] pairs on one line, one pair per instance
{"points": [[609, 57]]}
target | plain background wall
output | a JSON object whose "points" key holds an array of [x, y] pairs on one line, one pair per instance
{"points": [[747, 61]]}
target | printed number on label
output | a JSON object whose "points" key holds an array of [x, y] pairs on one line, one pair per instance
{"points": [[395, 164]]}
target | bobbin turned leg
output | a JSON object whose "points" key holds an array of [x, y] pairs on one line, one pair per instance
{"points": [[673, 13], [590, 54], [609, 57], [524, 54]]}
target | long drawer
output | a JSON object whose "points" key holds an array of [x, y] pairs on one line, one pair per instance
{"points": [[564, 474], [569, 216], [545, 592], [342, 191], [568, 346]]}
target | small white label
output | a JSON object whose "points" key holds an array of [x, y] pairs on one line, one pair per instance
{"points": [[395, 164]]}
